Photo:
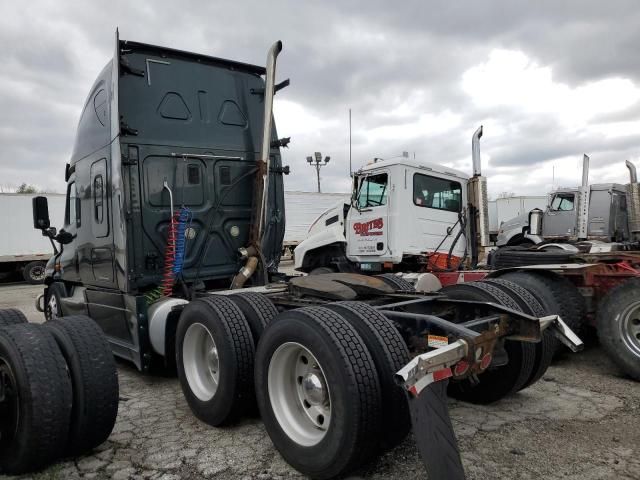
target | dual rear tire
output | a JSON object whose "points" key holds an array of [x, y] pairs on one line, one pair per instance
{"points": [[324, 386], [58, 390], [322, 377], [526, 362]]}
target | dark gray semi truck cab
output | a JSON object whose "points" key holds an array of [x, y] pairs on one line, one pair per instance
{"points": [[163, 131]]}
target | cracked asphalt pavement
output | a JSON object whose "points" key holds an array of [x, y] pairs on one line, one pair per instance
{"points": [[581, 421]]}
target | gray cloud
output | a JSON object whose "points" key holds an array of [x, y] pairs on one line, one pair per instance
{"points": [[369, 56]]}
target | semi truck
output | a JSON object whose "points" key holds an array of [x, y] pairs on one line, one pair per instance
{"points": [[595, 212], [22, 250], [172, 236], [427, 223]]}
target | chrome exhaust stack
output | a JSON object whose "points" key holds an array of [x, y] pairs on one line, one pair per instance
{"points": [[633, 203], [583, 202], [479, 203], [265, 150], [261, 192], [475, 152], [633, 175]]}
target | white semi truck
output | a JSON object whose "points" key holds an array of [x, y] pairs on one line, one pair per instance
{"points": [[404, 215], [23, 250]]}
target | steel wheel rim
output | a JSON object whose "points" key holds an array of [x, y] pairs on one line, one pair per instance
{"points": [[299, 394], [37, 273], [53, 306], [630, 328], [9, 404], [201, 361]]}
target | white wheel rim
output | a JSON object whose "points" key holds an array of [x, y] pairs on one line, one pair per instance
{"points": [[299, 394], [201, 361], [630, 328], [53, 306]]}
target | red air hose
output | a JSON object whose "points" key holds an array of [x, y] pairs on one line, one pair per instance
{"points": [[169, 257]]}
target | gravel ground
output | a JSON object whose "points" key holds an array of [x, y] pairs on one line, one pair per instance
{"points": [[581, 421]]}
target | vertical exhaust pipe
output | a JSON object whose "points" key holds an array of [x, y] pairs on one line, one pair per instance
{"points": [[633, 176], [585, 170], [633, 203], [261, 192], [583, 203], [475, 152], [478, 205], [265, 150]]}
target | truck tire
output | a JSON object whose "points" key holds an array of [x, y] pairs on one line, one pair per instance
{"points": [[35, 411], [397, 283], [94, 379], [390, 353], [495, 383], [558, 293], [312, 364], [11, 316], [529, 304], [214, 356], [33, 272], [618, 322], [257, 309], [506, 257], [52, 304]]}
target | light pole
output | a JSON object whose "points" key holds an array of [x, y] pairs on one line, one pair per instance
{"points": [[317, 162]]}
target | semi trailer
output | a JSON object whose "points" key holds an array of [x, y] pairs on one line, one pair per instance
{"points": [[172, 235], [506, 207], [22, 250]]}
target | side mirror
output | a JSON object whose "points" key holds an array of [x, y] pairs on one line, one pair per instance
{"points": [[40, 213]]}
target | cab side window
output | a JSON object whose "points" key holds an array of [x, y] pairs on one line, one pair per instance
{"points": [[563, 202], [98, 199], [72, 210], [373, 191], [437, 193]]}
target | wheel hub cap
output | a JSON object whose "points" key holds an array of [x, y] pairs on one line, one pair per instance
{"points": [[313, 389], [213, 361]]}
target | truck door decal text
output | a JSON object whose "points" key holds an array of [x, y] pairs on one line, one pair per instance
{"points": [[370, 228]]}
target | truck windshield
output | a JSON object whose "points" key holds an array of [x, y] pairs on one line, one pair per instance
{"points": [[438, 193], [373, 191], [563, 202]]}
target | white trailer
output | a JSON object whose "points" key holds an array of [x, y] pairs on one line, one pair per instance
{"points": [[22, 248], [503, 209], [303, 208]]}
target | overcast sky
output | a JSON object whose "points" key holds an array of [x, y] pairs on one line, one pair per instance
{"points": [[548, 80]]}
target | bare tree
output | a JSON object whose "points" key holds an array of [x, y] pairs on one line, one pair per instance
{"points": [[24, 188]]}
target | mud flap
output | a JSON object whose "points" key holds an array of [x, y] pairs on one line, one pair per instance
{"points": [[434, 433]]}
